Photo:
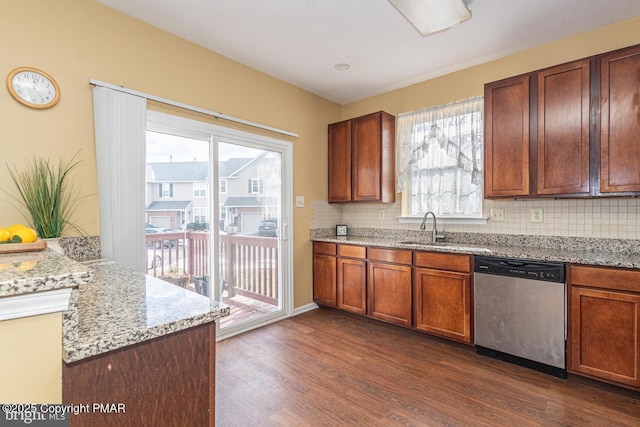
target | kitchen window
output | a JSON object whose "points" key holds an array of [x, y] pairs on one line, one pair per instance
{"points": [[439, 160], [223, 186]]}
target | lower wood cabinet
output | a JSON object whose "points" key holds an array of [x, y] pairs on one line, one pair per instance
{"points": [[325, 291], [166, 381], [442, 284], [428, 291], [352, 278], [389, 285], [604, 329]]}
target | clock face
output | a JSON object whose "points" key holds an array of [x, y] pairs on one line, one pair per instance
{"points": [[33, 88]]}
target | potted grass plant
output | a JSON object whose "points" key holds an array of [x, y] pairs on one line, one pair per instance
{"points": [[47, 195]]}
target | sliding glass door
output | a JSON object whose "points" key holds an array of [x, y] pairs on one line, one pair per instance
{"points": [[222, 200]]}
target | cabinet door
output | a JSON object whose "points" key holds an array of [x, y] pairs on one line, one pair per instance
{"points": [[367, 158], [620, 121], [443, 303], [563, 129], [389, 292], [604, 335], [352, 285], [507, 137], [340, 161], [324, 279]]}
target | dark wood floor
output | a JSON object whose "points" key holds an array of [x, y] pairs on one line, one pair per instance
{"points": [[327, 368]]}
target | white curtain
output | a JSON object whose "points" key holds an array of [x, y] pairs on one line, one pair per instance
{"points": [[439, 158], [120, 127]]}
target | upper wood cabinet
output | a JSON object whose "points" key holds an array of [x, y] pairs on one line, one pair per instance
{"points": [[620, 121], [563, 129], [506, 137], [544, 131], [537, 133], [362, 159]]}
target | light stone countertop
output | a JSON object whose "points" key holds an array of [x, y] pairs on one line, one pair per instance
{"points": [[600, 252], [122, 307], [39, 271]]}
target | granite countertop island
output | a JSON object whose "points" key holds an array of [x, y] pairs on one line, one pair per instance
{"points": [[601, 252], [122, 307]]}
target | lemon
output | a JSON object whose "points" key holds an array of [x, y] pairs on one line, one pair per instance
{"points": [[4, 235], [26, 234]]}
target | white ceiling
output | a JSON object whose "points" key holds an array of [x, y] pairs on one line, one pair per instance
{"points": [[300, 41]]}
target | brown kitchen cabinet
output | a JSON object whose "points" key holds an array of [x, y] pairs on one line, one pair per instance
{"points": [[389, 285], [166, 381], [442, 291], [325, 291], [352, 278], [620, 121], [362, 159], [604, 324], [563, 119], [545, 130], [537, 138], [506, 137]]}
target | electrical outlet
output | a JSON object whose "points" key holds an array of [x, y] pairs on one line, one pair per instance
{"points": [[536, 215], [381, 214], [312, 214], [497, 214]]}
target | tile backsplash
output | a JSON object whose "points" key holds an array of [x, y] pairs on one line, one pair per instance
{"points": [[616, 218]]}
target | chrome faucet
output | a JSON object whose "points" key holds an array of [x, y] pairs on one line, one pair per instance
{"points": [[434, 233]]}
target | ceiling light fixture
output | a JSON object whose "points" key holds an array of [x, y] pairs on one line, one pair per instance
{"points": [[342, 66], [431, 16]]}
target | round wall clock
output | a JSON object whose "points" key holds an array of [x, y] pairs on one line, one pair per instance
{"points": [[33, 88]]}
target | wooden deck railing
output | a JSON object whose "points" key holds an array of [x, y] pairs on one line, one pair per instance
{"points": [[248, 264]]}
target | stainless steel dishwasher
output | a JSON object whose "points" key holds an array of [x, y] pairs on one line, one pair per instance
{"points": [[520, 312]]}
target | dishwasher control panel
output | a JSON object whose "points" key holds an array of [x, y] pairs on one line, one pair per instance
{"points": [[526, 269]]}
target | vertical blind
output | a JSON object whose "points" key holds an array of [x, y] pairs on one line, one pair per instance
{"points": [[120, 125]]}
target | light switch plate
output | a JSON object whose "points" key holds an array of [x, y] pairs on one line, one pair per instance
{"points": [[497, 214], [299, 201]]}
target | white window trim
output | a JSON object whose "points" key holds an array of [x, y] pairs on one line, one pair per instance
{"points": [[226, 183]]}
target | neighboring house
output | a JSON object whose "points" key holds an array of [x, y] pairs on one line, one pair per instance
{"points": [[177, 193]]}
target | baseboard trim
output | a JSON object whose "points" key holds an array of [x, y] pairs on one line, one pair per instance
{"points": [[304, 308]]}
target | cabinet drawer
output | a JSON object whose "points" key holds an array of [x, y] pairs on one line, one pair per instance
{"points": [[604, 277], [352, 251], [442, 261], [324, 248], [390, 255]]}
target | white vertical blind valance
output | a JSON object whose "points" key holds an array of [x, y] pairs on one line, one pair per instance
{"points": [[120, 132]]}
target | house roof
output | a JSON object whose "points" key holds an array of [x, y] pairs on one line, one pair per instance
{"points": [[168, 205], [193, 171], [250, 201]]}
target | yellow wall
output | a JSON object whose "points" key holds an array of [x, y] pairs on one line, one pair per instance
{"points": [[30, 359]]}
